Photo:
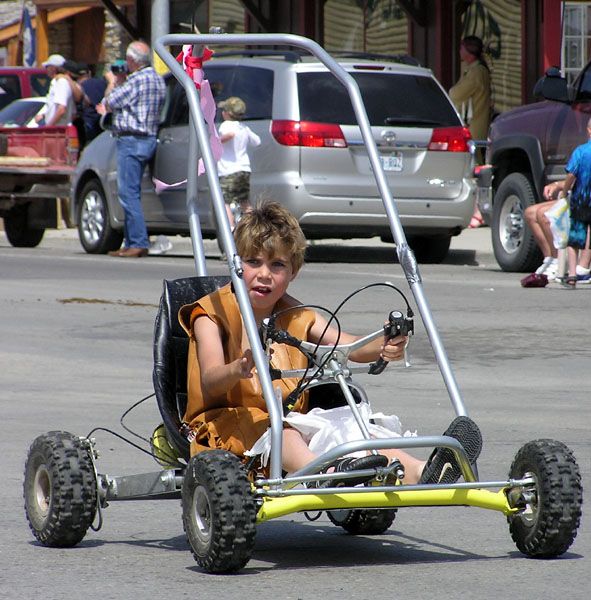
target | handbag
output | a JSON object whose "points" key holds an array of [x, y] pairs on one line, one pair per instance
{"points": [[534, 281]]}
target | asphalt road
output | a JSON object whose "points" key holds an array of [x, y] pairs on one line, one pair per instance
{"points": [[75, 353]]}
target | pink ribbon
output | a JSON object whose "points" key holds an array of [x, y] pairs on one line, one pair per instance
{"points": [[193, 66]]}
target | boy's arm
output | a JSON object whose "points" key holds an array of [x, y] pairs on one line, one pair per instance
{"points": [[387, 349], [217, 377], [568, 183]]}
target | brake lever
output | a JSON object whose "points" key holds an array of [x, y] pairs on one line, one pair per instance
{"points": [[397, 325]]}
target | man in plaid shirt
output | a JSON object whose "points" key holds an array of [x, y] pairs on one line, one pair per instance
{"points": [[136, 103]]}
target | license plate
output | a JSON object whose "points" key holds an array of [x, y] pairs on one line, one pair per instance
{"points": [[391, 162]]}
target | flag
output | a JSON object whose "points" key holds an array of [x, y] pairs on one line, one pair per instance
{"points": [[29, 53]]}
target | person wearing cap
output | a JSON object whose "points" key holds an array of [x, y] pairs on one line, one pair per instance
{"points": [[94, 91], [136, 104], [234, 165], [60, 103]]}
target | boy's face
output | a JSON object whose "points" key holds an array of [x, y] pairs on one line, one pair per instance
{"points": [[267, 279]]}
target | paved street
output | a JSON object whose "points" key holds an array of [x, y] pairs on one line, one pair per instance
{"points": [[76, 353]]}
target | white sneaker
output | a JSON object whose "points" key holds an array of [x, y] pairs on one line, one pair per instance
{"points": [[583, 271], [544, 266], [161, 246], [552, 269]]}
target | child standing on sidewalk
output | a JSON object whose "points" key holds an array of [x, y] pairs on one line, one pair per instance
{"points": [[234, 165]]}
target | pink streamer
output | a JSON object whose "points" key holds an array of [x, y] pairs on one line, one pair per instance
{"points": [[193, 66]]}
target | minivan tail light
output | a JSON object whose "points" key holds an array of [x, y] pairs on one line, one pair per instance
{"points": [[450, 139], [309, 134]]}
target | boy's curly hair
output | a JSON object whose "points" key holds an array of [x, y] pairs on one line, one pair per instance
{"points": [[269, 228]]}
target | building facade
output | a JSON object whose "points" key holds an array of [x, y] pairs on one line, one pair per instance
{"points": [[522, 37]]}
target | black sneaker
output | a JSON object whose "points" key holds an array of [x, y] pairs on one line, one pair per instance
{"points": [[442, 466], [342, 465]]}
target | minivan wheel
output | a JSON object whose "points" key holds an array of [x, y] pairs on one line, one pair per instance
{"points": [[94, 226], [514, 245], [430, 249]]}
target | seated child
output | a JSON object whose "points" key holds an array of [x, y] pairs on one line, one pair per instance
{"points": [[226, 408]]}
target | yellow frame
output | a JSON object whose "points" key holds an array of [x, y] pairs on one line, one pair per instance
{"points": [[273, 508]]}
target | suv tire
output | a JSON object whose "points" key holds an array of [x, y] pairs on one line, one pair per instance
{"points": [[94, 225], [514, 245], [18, 231]]}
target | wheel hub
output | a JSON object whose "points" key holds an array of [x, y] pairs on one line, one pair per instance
{"points": [[511, 221], [202, 514], [92, 217], [42, 490]]}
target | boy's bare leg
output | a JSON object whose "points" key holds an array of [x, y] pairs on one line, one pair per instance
{"points": [[295, 452], [413, 467], [572, 261]]}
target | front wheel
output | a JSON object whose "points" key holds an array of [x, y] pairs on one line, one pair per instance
{"points": [[96, 234], [514, 245], [18, 230], [219, 511], [60, 489], [363, 522], [551, 506]]}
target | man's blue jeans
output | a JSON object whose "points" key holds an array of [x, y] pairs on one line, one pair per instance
{"points": [[133, 153]]}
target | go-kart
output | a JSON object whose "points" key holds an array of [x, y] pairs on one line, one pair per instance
{"points": [[224, 497]]}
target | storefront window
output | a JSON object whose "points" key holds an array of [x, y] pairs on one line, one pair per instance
{"points": [[373, 26], [498, 24], [576, 38]]}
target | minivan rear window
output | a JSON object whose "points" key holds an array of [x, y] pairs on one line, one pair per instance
{"points": [[390, 99]]}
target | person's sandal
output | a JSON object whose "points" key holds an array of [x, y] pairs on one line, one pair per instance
{"points": [[442, 466], [570, 283]]}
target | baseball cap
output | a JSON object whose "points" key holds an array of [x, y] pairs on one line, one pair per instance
{"points": [[54, 60], [233, 105], [70, 66]]}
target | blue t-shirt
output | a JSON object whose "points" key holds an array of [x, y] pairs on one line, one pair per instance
{"points": [[579, 164]]}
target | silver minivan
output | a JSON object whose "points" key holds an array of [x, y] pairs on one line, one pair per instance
{"points": [[312, 157]]}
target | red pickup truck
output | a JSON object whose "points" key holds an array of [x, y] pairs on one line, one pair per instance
{"points": [[35, 169]]}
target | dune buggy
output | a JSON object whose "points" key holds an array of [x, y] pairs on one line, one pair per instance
{"points": [[223, 497]]}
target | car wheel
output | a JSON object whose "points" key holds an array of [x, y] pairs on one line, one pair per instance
{"points": [[514, 245], [96, 234], [430, 249], [18, 231]]}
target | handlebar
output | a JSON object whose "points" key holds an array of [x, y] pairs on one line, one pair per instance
{"points": [[332, 359]]}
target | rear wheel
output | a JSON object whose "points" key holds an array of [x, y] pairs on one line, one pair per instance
{"points": [[219, 511], [96, 234], [363, 522], [18, 231], [60, 489], [551, 507], [514, 245]]}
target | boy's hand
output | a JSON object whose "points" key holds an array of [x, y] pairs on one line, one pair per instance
{"points": [[393, 349], [246, 365]]}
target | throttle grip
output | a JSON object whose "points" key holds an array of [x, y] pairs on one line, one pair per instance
{"points": [[397, 325]]}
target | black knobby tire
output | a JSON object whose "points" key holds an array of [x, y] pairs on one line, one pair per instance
{"points": [[17, 229], [430, 249], [219, 511], [549, 523], [363, 522], [514, 245], [96, 234], [60, 489]]}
